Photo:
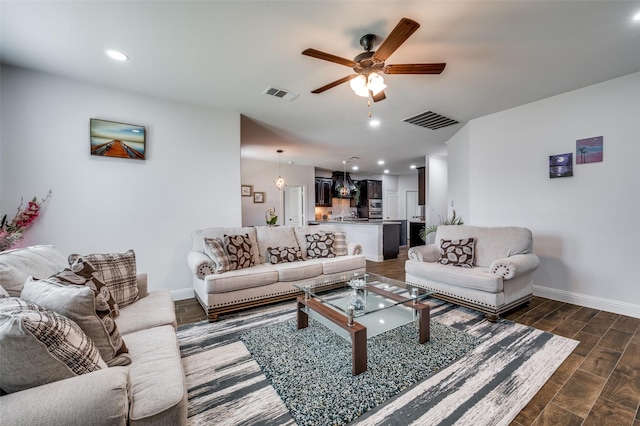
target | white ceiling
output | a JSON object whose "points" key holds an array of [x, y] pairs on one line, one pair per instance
{"points": [[224, 54]]}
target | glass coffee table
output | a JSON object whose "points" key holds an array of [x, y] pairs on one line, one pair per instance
{"points": [[360, 306]]}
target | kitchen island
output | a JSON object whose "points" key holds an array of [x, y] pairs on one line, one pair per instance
{"points": [[380, 239]]}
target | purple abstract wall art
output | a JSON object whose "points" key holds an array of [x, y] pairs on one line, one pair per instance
{"points": [[589, 150]]}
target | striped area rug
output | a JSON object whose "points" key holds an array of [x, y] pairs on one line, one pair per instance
{"points": [[488, 386]]}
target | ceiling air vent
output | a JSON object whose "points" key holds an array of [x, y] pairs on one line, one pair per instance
{"points": [[280, 93], [430, 120]]}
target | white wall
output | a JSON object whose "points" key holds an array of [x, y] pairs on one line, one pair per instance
{"points": [[436, 187], [190, 179], [458, 148], [260, 175], [584, 226]]}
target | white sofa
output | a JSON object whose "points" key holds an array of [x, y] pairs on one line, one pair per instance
{"points": [[264, 282], [501, 277], [151, 390]]}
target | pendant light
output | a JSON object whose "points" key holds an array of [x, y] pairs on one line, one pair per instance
{"points": [[279, 181], [344, 190]]}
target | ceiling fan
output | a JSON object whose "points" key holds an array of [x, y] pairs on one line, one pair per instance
{"points": [[366, 81]]}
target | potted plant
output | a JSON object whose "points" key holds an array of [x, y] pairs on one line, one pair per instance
{"points": [[453, 220], [270, 217]]}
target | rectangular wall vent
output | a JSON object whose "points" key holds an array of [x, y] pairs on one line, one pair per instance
{"points": [[280, 93], [431, 120]]}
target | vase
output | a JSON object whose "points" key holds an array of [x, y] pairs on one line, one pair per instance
{"points": [[358, 300]]}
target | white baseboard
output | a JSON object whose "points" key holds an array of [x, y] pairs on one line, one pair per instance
{"points": [[183, 293], [599, 303]]}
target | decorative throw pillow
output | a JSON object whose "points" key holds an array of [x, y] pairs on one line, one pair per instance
{"points": [[39, 346], [117, 271], [84, 273], [79, 295], [320, 245], [284, 254], [214, 248], [340, 243], [3, 292], [238, 248], [457, 252]]}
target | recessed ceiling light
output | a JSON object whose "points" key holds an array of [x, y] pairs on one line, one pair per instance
{"points": [[386, 170], [380, 162], [118, 56], [637, 17], [413, 166], [374, 123], [354, 168]]}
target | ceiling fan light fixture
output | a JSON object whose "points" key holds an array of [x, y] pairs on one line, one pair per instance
{"points": [[376, 83], [359, 86]]}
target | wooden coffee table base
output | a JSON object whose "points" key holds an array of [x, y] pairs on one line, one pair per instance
{"points": [[357, 331]]}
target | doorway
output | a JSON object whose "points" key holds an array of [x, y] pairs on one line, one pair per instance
{"points": [[293, 205]]}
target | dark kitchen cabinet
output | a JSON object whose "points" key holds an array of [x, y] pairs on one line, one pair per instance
{"points": [[374, 189], [323, 192], [421, 187], [414, 234], [369, 190], [390, 240]]}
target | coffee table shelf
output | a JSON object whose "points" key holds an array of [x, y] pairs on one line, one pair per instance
{"points": [[388, 304]]}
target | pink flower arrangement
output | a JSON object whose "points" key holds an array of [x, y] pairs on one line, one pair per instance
{"points": [[11, 232]]}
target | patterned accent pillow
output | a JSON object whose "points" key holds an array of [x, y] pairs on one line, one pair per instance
{"points": [[41, 346], [340, 243], [93, 312], [238, 248], [284, 254], [117, 271], [320, 245], [83, 272], [457, 252], [215, 250]]}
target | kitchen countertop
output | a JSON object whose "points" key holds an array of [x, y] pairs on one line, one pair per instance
{"points": [[357, 222]]}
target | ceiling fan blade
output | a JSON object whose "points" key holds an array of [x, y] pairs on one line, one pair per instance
{"points": [[398, 35], [414, 68], [328, 57], [334, 83], [379, 97]]}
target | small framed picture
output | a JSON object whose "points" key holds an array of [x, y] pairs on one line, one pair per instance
{"points": [[561, 165], [246, 190], [258, 197]]}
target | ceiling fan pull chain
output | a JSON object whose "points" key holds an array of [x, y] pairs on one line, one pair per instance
{"points": [[369, 106]]}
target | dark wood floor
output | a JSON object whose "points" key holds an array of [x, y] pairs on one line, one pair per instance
{"points": [[599, 384]]}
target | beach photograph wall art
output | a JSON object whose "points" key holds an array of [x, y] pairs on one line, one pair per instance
{"points": [[119, 140], [589, 150]]}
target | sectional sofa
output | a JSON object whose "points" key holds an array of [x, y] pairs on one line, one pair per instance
{"points": [[311, 254], [142, 385]]}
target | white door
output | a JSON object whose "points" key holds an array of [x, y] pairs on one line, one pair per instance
{"points": [[391, 204], [293, 205]]}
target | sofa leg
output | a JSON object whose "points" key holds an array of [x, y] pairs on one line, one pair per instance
{"points": [[491, 317]]}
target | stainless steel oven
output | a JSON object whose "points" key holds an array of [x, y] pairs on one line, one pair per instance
{"points": [[375, 208], [375, 214], [375, 204]]}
